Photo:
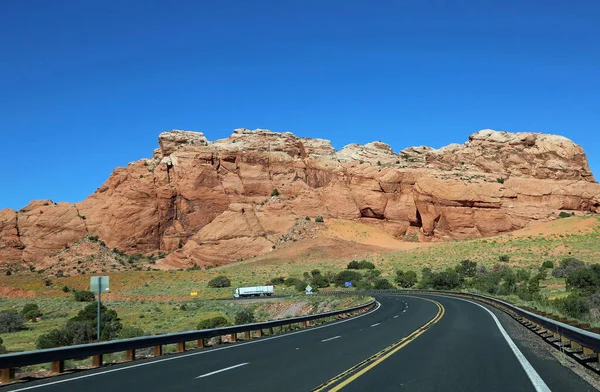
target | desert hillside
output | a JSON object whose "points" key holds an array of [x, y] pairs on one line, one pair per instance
{"points": [[196, 202]]}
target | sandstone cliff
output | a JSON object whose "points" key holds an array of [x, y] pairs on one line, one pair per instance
{"points": [[210, 203]]}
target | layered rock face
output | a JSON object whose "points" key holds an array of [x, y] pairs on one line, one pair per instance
{"points": [[210, 203]]}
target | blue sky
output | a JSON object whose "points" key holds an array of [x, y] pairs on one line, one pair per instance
{"points": [[86, 86]]}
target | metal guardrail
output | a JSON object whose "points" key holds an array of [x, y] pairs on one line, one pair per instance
{"points": [[583, 345], [57, 356]]}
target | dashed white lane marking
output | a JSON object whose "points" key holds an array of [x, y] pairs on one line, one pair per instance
{"points": [[194, 353], [333, 338], [374, 325], [223, 370], [396, 316]]}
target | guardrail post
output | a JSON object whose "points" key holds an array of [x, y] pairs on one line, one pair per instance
{"points": [[200, 343], [309, 323], [58, 366], [233, 337], [259, 333], [302, 324], [158, 350], [97, 360], [130, 355], [181, 347], [271, 331], [7, 375], [247, 335]]}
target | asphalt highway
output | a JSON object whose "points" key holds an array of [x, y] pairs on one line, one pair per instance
{"points": [[408, 343]]}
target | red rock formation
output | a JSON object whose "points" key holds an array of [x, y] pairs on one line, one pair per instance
{"points": [[210, 203]]}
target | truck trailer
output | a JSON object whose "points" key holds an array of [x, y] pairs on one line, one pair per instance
{"points": [[255, 291]]}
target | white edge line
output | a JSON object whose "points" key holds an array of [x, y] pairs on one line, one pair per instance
{"points": [[534, 377], [333, 338], [195, 353], [374, 325], [396, 316], [223, 370]]}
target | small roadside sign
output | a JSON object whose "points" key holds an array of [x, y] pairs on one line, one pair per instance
{"points": [[194, 293], [348, 284], [309, 289], [99, 283]]}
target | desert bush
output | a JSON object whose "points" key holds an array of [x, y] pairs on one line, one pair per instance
{"points": [[54, 338], [83, 296], [128, 332], [31, 312], [504, 258], [319, 219], [347, 276], [564, 214], [219, 281], [244, 316], [382, 284], [467, 268], [574, 305], [364, 264], [584, 280], [289, 282], [275, 192], [353, 265], [566, 266], [214, 322], [406, 279], [548, 264], [278, 280], [319, 281], [11, 321]]}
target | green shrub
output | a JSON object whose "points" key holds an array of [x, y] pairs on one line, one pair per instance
{"points": [[83, 296], [347, 276], [214, 322], [52, 339], [315, 272], [307, 218], [2, 348], [131, 332], [354, 265], [548, 264], [319, 281], [300, 285], [585, 280], [31, 312], [573, 306], [564, 214], [292, 282], [11, 321], [382, 284], [275, 192], [567, 265], [219, 281], [406, 279], [278, 280], [504, 258], [244, 316], [500, 180], [364, 264], [319, 219], [66, 289], [467, 268]]}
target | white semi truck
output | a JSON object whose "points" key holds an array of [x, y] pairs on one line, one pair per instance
{"points": [[255, 291]]}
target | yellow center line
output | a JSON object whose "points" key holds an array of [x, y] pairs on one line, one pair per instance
{"points": [[382, 355]]}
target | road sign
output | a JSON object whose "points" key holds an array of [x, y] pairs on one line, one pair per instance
{"points": [[348, 284], [99, 282], [309, 289], [194, 293]]}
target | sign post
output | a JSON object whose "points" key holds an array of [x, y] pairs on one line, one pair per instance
{"points": [[99, 284]]}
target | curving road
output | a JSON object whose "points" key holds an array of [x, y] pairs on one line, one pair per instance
{"points": [[412, 343]]}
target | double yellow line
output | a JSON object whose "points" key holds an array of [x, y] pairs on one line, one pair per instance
{"points": [[361, 368]]}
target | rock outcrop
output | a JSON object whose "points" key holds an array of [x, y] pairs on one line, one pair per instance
{"points": [[209, 203]]}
